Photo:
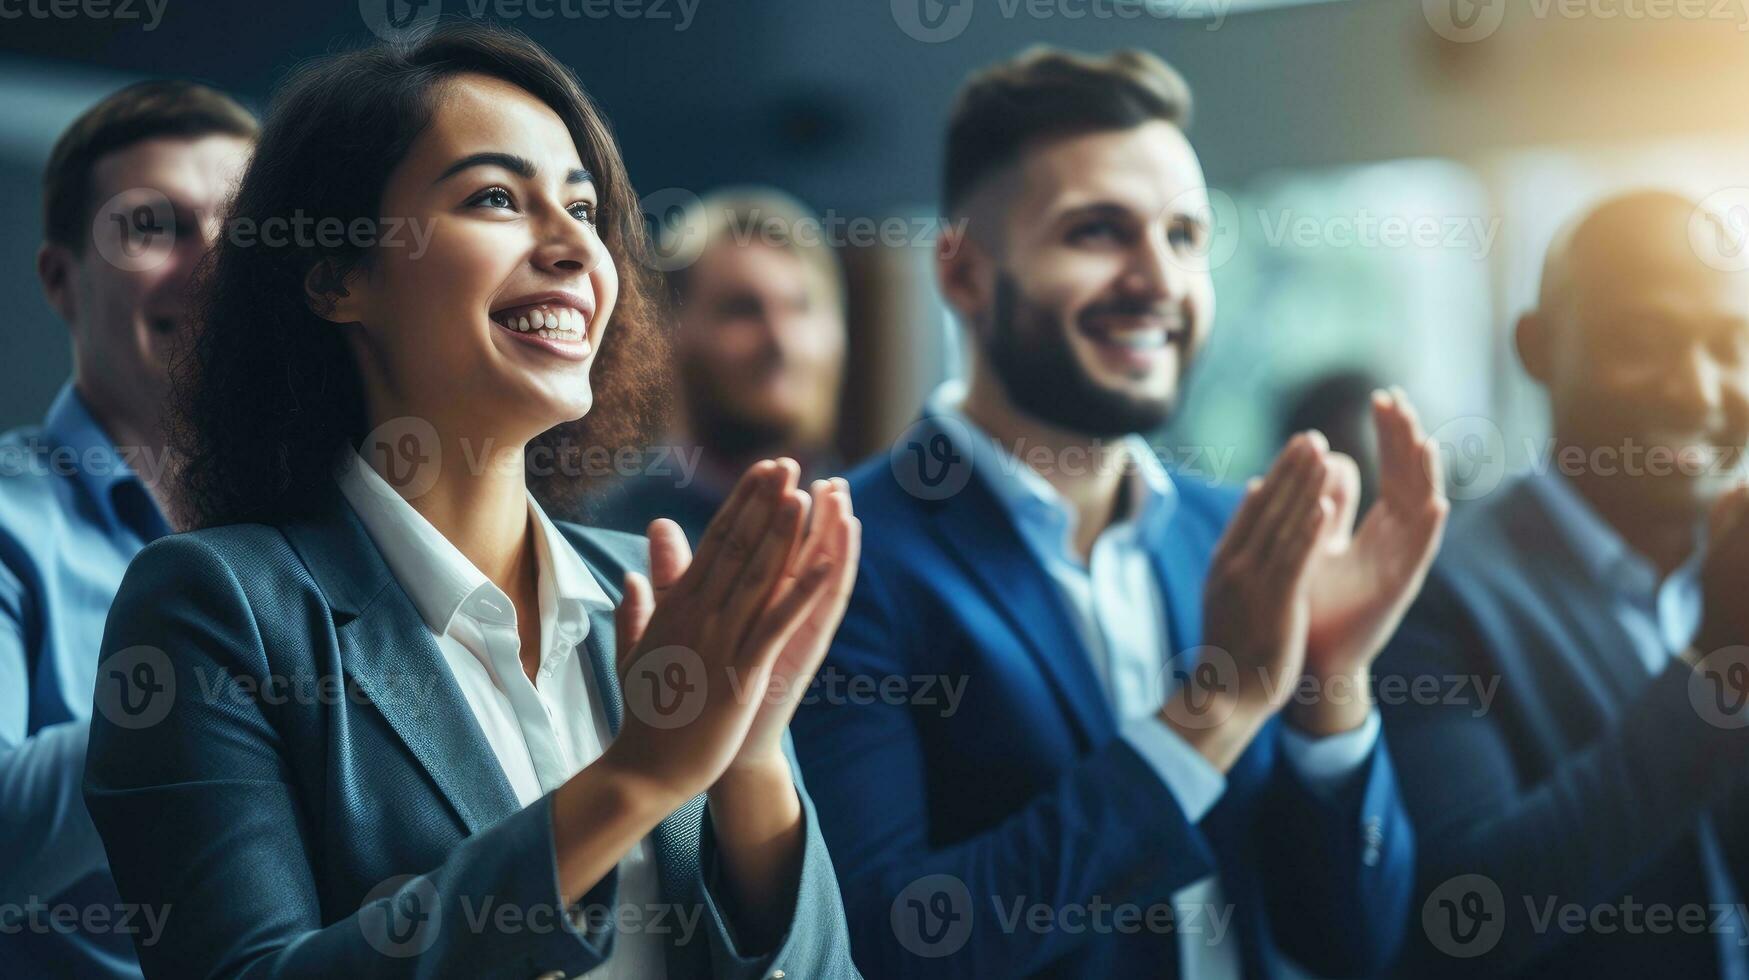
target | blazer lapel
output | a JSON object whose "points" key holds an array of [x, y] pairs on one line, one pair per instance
{"points": [[981, 537], [1603, 662], [389, 653]]}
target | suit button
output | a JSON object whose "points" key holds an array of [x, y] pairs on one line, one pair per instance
{"points": [[777, 975], [552, 975]]}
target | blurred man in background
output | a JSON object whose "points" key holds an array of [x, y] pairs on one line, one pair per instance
{"points": [[1605, 773], [1046, 741], [1340, 405], [758, 351], [133, 191]]}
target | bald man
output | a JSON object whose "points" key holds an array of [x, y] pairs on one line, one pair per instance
{"points": [[1575, 783]]}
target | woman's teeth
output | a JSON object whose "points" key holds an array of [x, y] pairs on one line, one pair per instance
{"points": [[550, 322]]}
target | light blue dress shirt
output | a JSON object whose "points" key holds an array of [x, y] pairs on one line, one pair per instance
{"points": [[1660, 617], [72, 515], [1116, 603]]}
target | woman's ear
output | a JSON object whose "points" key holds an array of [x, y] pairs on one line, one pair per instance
{"points": [[325, 290]]}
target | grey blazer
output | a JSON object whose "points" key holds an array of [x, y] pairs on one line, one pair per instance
{"points": [[282, 766]]}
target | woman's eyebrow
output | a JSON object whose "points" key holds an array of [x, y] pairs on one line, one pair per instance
{"points": [[519, 166]]}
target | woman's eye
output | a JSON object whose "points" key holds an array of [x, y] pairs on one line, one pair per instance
{"points": [[493, 197], [583, 211]]}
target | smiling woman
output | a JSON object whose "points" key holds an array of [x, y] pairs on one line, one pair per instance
{"points": [[285, 387], [528, 721]]}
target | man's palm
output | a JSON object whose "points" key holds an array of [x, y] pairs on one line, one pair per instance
{"points": [[1363, 580]]}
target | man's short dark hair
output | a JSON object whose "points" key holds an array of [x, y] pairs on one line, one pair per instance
{"points": [[142, 111], [1046, 92]]}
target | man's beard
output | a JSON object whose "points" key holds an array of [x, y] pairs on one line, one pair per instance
{"points": [[1031, 356], [721, 427]]}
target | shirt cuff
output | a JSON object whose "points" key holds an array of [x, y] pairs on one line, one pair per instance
{"points": [[1326, 763], [1193, 780]]}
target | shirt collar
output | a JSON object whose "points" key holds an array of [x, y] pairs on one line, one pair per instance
{"points": [[1603, 554], [439, 578], [96, 464], [1036, 506]]}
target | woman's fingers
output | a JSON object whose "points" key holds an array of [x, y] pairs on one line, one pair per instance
{"points": [[755, 481], [811, 635], [818, 513], [764, 567], [669, 554], [743, 539], [772, 631]]}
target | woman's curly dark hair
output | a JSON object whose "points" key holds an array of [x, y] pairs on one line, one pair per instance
{"points": [[268, 392]]}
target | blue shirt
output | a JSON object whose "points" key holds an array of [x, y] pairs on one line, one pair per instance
{"points": [[73, 513]]}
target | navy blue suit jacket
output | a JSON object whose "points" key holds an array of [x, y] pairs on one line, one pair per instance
{"points": [[1580, 781], [367, 831], [940, 821]]}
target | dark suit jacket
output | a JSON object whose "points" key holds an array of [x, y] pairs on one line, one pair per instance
{"points": [[370, 831], [1025, 792], [1581, 782]]}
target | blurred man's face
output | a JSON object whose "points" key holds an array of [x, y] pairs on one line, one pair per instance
{"points": [[761, 350], [126, 320], [1101, 294], [1651, 356]]}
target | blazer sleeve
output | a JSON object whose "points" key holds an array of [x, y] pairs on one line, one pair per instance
{"points": [[1579, 835], [919, 907], [1338, 867], [818, 941], [194, 799]]}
